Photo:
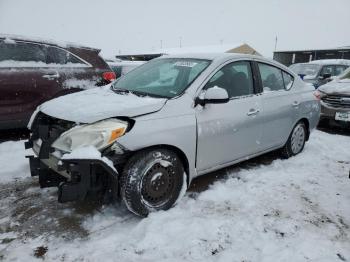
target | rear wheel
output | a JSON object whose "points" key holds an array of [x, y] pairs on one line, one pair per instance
{"points": [[152, 180], [296, 141]]}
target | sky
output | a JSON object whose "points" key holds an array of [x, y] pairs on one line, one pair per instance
{"points": [[118, 26]]}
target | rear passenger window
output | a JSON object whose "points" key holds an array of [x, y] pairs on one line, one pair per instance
{"points": [[15, 53], [288, 80], [271, 78], [236, 78], [62, 57]]}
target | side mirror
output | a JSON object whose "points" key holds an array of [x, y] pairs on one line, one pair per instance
{"points": [[213, 95], [326, 75]]}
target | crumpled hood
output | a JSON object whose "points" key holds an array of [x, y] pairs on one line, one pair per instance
{"points": [[336, 87], [98, 104]]}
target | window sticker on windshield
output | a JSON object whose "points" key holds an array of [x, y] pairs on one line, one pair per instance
{"points": [[185, 63]]}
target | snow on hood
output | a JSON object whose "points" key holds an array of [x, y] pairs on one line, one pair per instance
{"points": [[98, 104], [336, 87]]}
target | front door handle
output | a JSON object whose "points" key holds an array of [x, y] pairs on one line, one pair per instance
{"points": [[253, 112], [295, 104], [51, 76]]}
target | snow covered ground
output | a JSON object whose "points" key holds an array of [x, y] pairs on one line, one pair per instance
{"points": [[265, 209]]}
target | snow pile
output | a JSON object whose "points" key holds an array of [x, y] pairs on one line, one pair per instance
{"points": [[285, 210], [13, 163]]}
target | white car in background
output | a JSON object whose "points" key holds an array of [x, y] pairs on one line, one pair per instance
{"points": [[320, 72]]}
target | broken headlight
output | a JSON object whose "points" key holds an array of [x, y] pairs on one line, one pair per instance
{"points": [[100, 135]]}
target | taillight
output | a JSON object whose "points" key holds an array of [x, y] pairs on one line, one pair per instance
{"points": [[109, 76]]}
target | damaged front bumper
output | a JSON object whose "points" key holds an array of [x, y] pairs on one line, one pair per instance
{"points": [[75, 178]]}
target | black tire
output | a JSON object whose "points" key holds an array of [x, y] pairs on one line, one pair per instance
{"points": [[287, 150], [143, 190]]}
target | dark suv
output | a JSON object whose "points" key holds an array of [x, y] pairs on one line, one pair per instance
{"points": [[34, 71]]}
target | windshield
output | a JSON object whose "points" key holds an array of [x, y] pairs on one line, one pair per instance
{"points": [[166, 77], [306, 69]]}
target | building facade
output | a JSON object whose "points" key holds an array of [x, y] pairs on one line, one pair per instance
{"points": [[303, 56]]}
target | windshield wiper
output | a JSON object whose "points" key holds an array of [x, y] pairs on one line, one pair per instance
{"points": [[120, 90], [137, 93]]}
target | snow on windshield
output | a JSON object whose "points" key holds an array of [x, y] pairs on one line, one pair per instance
{"points": [[167, 77]]}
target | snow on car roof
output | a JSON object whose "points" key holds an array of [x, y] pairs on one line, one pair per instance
{"points": [[208, 56], [63, 44], [221, 57], [125, 62], [331, 62]]}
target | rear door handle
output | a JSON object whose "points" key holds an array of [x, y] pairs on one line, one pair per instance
{"points": [[51, 76], [253, 112]]}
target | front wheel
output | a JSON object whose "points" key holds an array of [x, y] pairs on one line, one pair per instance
{"points": [[152, 180], [296, 141]]}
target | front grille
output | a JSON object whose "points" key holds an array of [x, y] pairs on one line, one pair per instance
{"points": [[48, 129], [337, 101]]}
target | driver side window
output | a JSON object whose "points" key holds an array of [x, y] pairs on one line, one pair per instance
{"points": [[236, 78], [329, 69]]}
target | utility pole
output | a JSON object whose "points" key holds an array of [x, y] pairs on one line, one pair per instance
{"points": [[276, 43], [180, 41]]}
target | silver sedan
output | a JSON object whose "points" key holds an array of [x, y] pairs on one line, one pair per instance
{"points": [[166, 122]]}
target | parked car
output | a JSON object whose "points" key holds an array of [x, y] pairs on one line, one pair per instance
{"points": [[122, 67], [167, 122], [33, 71], [320, 72], [335, 101]]}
